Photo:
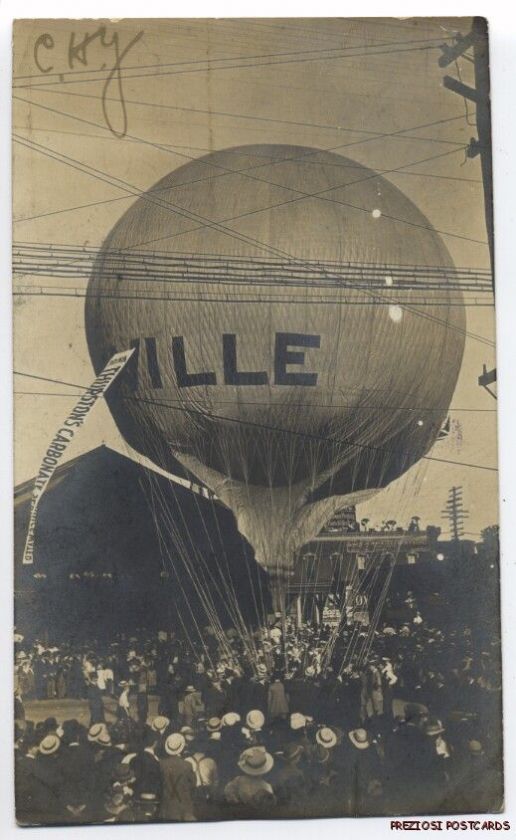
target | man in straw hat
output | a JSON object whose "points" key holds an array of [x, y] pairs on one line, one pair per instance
{"points": [[78, 769], [160, 724], [206, 775], [32, 793], [178, 782], [300, 732], [251, 789], [106, 759], [255, 721], [290, 782], [326, 737], [214, 724], [475, 778], [49, 772], [359, 768], [146, 767]]}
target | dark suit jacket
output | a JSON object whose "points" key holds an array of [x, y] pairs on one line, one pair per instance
{"points": [[178, 781], [78, 769], [148, 774]]}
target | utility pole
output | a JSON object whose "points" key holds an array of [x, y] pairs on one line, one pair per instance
{"points": [[477, 40], [455, 514]]}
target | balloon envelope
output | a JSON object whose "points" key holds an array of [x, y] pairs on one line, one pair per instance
{"points": [[278, 355]]}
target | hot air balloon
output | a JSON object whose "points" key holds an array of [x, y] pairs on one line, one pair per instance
{"points": [[288, 344]]}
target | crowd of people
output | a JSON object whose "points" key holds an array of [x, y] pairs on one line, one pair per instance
{"points": [[288, 721]]}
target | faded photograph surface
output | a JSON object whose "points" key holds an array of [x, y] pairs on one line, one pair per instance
{"points": [[256, 502]]}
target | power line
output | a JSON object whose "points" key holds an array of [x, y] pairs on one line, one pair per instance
{"points": [[311, 436], [255, 118], [320, 194], [92, 171], [166, 147], [356, 406], [211, 61], [269, 158], [168, 268], [251, 261], [74, 293], [218, 226], [403, 25], [375, 298], [400, 134], [268, 427], [164, 189], [127, 76]]}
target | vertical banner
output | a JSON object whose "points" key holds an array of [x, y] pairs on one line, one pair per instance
{"points": [[61, 440]]}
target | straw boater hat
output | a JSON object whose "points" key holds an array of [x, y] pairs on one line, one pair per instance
{"points": [[261, 668], [359, 738], [160, 723], [187, 732], [49, 745], [255, 719], [326, 737], [475, 747], [298, 721], [98, 734], [214, 724], [255, 761], [175, 744], [189, 689], [230, 719]]}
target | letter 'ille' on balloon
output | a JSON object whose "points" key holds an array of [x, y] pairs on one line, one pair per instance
{"points": [[286, 389], [232, 376]]}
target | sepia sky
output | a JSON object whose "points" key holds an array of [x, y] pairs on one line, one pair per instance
{"points": [[370, 89]]}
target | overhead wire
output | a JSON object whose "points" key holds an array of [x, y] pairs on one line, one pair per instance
{"points": [[272, 428]]}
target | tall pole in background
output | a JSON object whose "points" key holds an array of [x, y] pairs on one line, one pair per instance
{"points": [[477, 40], [455, 514]]}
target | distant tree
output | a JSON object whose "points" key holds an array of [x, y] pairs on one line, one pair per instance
{"points": [[364, 523], [491, 535], [489, 549], [390, 525]]}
